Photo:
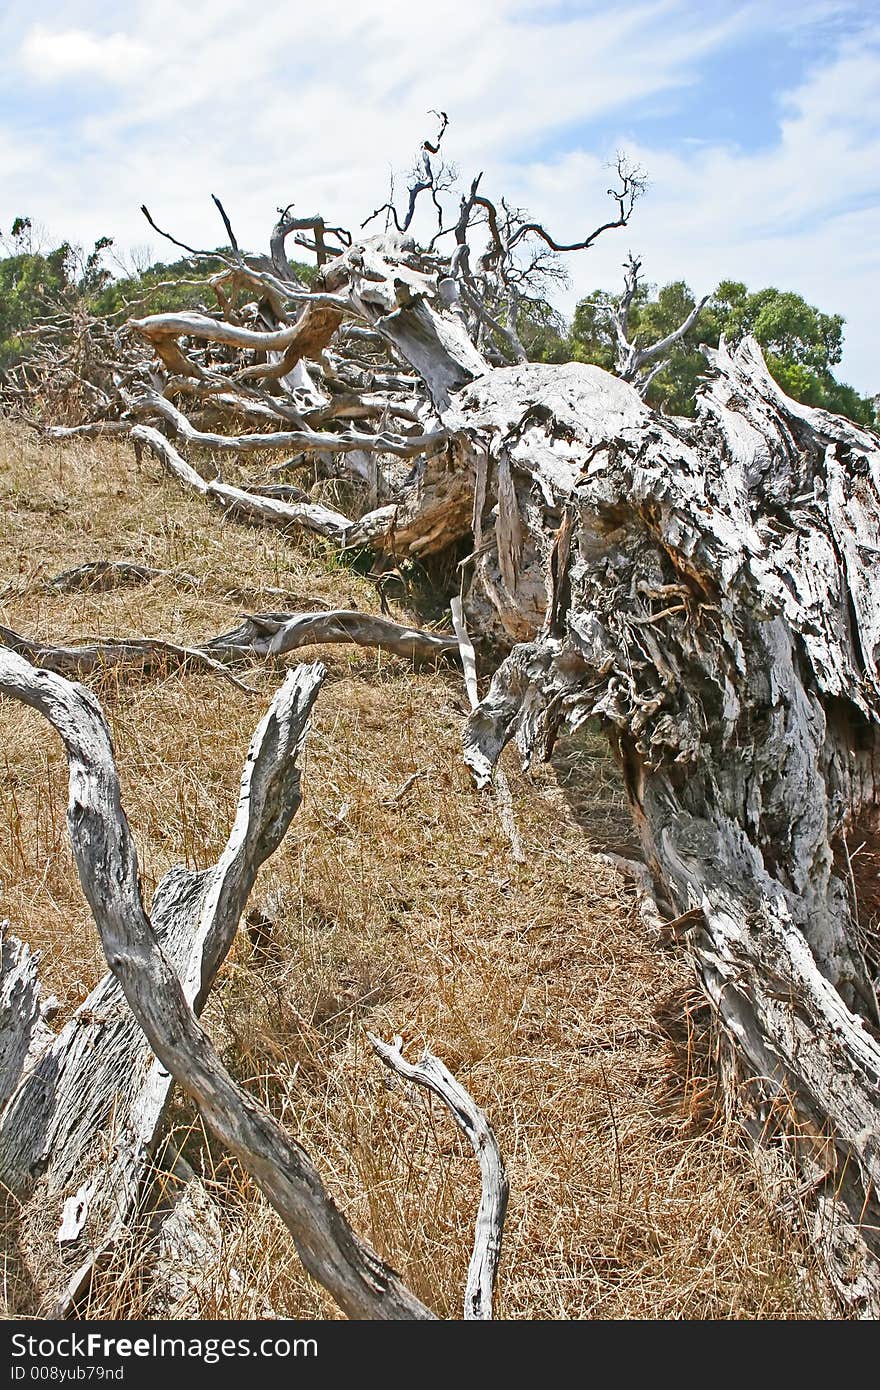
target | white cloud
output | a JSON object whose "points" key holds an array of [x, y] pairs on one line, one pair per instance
{"points": [[802, 213], [318, 103], [53, 54]]}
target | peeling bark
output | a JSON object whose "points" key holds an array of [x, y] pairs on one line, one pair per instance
{"points": [[715, 610], [23, 1031]]}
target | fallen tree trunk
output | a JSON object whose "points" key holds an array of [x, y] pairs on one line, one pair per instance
{"points": [[712, 600], [705, 589]]}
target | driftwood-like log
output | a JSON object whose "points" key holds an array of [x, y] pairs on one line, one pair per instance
{"points": [[307, 337], [162, 969], [274, 634], [430, 514], [711, 598], [431, 1073]]}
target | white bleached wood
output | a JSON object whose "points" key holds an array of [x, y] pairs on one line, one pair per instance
{"points": [[108, 654], [307, 441], [23, 1033], [716, 609], [431, 1073], [705, 589], [195, 918], [500, 784], [260, 635], [273, 634]]}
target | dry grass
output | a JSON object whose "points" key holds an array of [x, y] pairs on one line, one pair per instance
{"points": [[588, 1045]]}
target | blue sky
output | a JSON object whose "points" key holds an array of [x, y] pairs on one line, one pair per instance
{"points": [[757, 123]]}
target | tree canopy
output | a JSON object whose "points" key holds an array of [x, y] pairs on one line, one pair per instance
{"points": [[801, 343]]}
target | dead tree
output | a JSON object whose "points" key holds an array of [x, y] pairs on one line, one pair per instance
{"points": [[711, 599], [704, 589], [638, 362]]}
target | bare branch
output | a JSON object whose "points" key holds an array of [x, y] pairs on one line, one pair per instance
{"points": [[309, 441], [106, 859], [632, 185], [647, 354], [108, 653], [434, 1076], [102, 575], [227, 224], [192, 251], [273, 634]]}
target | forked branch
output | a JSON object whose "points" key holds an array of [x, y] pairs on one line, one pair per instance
{"points": [[106, 859]]}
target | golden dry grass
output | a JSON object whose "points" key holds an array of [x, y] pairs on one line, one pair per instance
{"points": [[588, 1045]]}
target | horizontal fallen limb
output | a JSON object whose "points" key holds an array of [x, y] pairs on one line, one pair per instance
{"points": [[272, 511], [161, 1000], [112, 574], [108, 654], [307, 337], [305, 441], [431, 1073], [258, 636], [273, 634], [98, 429], [238, 502], [194, 325]]}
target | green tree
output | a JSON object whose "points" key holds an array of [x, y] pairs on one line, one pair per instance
{"points": [[592, 337], [35, 284], [801, 343], [170, 287], [158, 288], [543, 332], [31, 285]]}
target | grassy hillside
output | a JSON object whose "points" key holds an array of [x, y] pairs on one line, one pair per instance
{"points": [[394, 904]]}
